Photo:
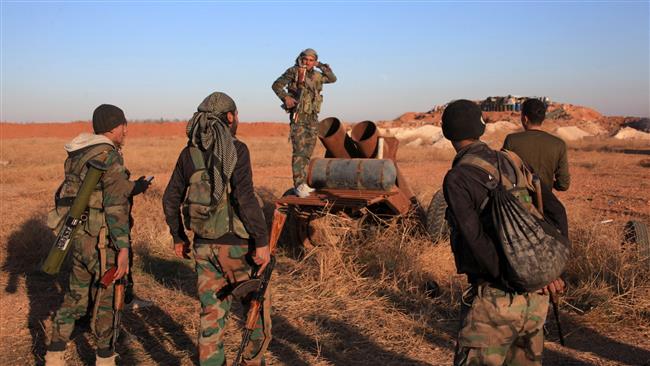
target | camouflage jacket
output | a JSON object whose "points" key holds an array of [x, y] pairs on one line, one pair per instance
{"points": [[286, 85], [114, 186]]}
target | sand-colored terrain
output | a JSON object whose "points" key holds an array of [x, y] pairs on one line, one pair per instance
{"points": [[343, 305]]}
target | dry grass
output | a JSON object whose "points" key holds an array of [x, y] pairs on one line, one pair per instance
{"points": [[608, 276], [358, 298]]}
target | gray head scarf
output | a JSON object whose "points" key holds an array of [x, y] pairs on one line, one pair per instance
{"points": [[208, 130], [306, 52]]}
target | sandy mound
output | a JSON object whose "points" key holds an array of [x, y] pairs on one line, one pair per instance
{"points": [[571, 133], [593, 128], [427, 134], [501, 126], [630, 133], [415, 143], [443, 144]]}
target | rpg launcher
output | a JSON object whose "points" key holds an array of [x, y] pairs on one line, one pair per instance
{"points": [[76, 217]]}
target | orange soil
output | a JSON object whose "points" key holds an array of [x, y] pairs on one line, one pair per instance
{"points": [[136, 129]]}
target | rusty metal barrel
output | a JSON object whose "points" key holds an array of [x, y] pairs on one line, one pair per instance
{"points": [[365, 174], [338, 144], [365, 134]]}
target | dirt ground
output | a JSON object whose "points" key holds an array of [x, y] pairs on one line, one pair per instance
{"points": [[310, 327]]}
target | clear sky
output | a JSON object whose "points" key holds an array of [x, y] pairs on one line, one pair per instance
{"points": [[159, 59]]}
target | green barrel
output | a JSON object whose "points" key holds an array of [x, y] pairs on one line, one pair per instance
{"points": [[75, 217]]}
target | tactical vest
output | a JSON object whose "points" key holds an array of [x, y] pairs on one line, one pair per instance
{"points": [[200, 214], [310, 97], [75, 171]]}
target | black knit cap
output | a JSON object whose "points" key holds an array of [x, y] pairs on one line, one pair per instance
{"points": [[462, 120], [106, 117]]}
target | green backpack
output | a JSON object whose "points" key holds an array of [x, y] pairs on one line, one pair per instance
{"points": [[75, 171], [534, 251], [200, 214]]}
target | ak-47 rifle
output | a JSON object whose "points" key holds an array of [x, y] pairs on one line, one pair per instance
{"points": [[262, 283], [300, 85], [118, 300]]}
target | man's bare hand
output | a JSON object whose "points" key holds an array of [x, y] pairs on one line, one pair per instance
{"points": [[262, 257], [290, 102], [556, 287], [182, 250], [122, 263]]}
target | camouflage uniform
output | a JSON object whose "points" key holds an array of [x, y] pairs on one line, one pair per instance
{"points": [[219, 267], [304, 129], [501, 328], [112, 212], [226, 226]]}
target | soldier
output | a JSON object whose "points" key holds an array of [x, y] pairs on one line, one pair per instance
{"points": [[545, 153], [213, 182], [103, 242], [299, 89], [498, 324]]}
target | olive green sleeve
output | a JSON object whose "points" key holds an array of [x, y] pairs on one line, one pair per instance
{"points": [[506, 143], [280, 84], [117, 190], [562, 176]]}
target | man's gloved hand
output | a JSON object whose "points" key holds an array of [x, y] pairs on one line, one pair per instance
{"points": [[323, 66], [141, 186]]}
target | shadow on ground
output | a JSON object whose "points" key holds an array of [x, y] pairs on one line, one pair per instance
{"points": [[26, 248], [173, 274], [347, 345]]}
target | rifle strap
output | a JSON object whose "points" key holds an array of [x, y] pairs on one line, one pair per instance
{"points": [[101, 246]]}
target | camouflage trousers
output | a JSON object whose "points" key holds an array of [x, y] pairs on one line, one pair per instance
{"points": [[83, 284], [501, 328], [219, 268], [303, 140]]}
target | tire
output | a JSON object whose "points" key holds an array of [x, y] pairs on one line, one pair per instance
{"points": [[436, 224], [637, 232]]}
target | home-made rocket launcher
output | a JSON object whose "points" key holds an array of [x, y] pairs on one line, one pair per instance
{"points": [[358, 177]]}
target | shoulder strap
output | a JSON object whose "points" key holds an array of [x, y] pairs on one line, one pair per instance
{"points": [[93, 152], [489, 168], [197, 158], [524, 175]]}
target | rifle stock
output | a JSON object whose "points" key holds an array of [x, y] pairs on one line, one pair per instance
{"points": [[118, 306]]}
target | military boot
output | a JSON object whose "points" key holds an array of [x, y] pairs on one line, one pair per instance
{"points": [[55, 358], [106, 361]]}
